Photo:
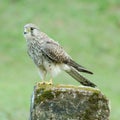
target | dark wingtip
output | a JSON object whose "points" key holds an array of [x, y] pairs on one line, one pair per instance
{"points": [[93, 85], [89, 72]]}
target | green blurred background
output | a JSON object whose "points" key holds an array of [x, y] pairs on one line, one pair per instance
{"points": [[89, 30]]}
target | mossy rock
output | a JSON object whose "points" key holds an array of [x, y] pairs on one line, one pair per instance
{"points": [[60, 102]]}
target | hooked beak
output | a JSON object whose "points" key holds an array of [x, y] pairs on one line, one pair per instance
{"points": [[25, 32]]}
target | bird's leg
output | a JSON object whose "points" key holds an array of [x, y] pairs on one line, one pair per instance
{"points": [[42, 75]]}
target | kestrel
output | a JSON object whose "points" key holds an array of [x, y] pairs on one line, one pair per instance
{"points": [[50, 57]]}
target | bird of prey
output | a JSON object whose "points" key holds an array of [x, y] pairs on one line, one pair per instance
{"points": [[50, 57]]}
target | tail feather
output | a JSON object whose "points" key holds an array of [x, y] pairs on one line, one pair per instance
{"points": [[78, 67], [75, 74]]}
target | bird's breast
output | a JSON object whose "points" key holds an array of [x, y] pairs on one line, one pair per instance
{"points": [[35, 53]]}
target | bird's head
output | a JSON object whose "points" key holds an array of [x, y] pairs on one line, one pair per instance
{"points": [[30, 30]]}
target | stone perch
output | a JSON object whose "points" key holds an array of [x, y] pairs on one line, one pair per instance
{"points": [[52, 102]]}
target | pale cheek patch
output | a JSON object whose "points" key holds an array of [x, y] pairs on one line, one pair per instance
{"points": [[36, 32]]}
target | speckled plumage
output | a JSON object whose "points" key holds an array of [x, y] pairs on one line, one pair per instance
{"points": [[50, 57]]}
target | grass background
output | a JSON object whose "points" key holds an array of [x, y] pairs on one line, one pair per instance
{"points": [[89, 30]]}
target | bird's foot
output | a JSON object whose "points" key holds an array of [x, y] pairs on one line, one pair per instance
{"points": [[50, 82], [41, 83], [45, 83]]}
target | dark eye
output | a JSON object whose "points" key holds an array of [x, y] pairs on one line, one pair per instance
{"points": [[32, 28]]}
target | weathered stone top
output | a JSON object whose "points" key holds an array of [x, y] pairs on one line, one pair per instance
{"points": [[60, 89], [67, 102]]}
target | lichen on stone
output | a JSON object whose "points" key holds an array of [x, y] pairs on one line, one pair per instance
{"points": [[68, 102]]}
